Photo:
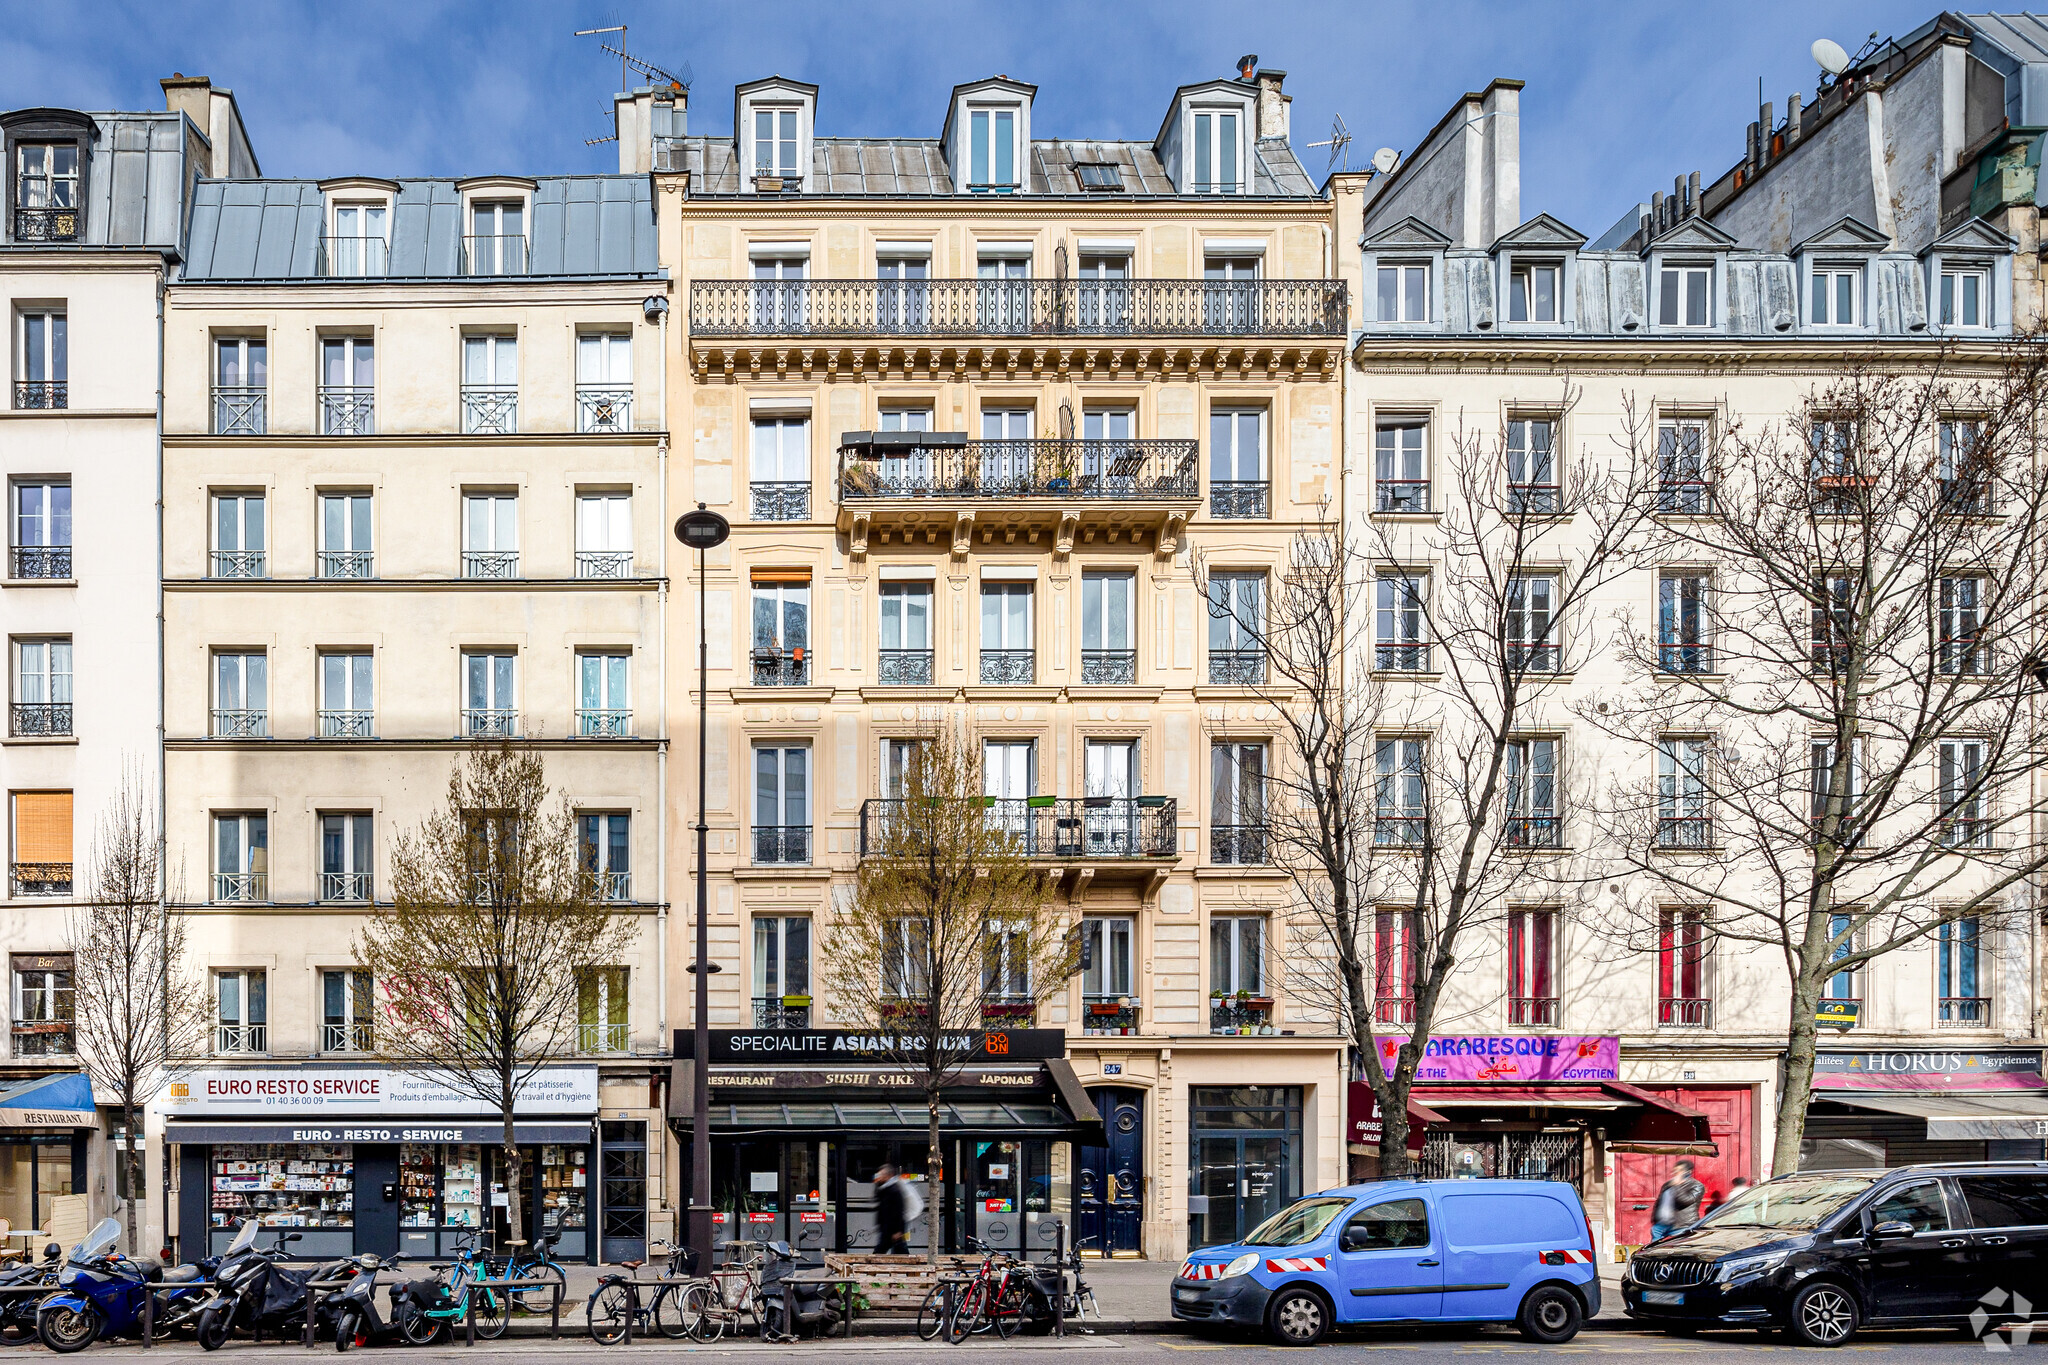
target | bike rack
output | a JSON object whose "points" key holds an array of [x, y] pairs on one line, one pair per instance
{"points": [[554, 1311], [633, 1287]]}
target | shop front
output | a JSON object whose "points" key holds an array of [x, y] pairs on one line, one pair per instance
{"points": [[46, 1128], [802, 1120], [1897, 1107]]}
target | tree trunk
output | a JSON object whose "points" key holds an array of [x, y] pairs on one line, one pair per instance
{"points": [[512, 1223], [1393, 1098], [1796, 1091], [131, 1159], [934, 1175]]}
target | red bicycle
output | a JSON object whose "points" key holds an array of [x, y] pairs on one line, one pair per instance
{"points": [[995, 1297]]}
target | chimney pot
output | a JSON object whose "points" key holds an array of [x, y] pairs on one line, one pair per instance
{"points": [[1246, 65]]}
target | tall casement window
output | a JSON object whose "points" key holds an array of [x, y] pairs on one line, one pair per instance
{"points": [[241, 856], [360, 244], [1961, 627], [241, 694], [1401, 818], [490, 535], [1237, 803], [1400, 465], [490, 702], [1530, 794], [345, 550], [1217, 152], [1966, 486], [604, 535], [348, 1012], [46, 202], [1009, 776], [1103, 293], [1109, 628], [239, 533], [347, 700], [1685, 986], [1237, 629], [44, 1018], [1006, 639], [1962, 978], [1239, 483], [1683, 488], [904, 304], [1683, 820], [906, 648], [775, 143], [782, 803], [782, 971], [42, 861], [1532, 467], [490, 384], [604, 704], [345, 854], [1845, 986], [780, 469], [1533, 291], [1684, 644], [348, 386], [1685, 294], [1107, 998], [606, 839], [604, 381], [1401, 622], [1532, 968], [1394, 950], [41, 526], [1961, 787], [497, 237], [241, 1012], [1833, 617], [1237, 956], [1530, 634], [601, 1020], [241, 386], [42, 365], [782, 627], [992, 151], [901, 762], [42, 688]]}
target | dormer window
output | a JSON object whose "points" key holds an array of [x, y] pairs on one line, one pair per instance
{"points": [[992, 151], [1964, 289], [1836, 290], [1217, 168], [497, 237], [1098, 176], [1685, 294], [775, 143], [360, 244], [46, 191], [1404, 291], [1533, 291]]}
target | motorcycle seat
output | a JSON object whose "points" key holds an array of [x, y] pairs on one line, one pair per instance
{"points": [[183, 1274], [151, 1271]]}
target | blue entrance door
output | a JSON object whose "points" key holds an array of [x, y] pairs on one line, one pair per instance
{"points": [[1109, 1194]]}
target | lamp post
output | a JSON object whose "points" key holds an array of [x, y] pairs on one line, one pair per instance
{"points": [[700, 531]]}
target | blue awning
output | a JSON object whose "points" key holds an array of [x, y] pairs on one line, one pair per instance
{"points": [[63, 1100]]}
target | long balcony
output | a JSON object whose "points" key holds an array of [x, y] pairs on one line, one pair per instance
{"points": [[39, 879], [41, 561], [35, 719], [1088, 829], [1017, 308]]}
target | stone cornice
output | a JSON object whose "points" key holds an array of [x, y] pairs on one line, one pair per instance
{"points": [[1305, 360]]}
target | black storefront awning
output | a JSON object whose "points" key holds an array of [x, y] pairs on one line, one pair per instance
{"points": [[799, 1117], [566, 1130]]}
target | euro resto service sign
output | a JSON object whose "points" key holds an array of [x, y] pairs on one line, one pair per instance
{"points": [[362, 1091], [1513, 1058]]}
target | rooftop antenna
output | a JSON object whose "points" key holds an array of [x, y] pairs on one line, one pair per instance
{"points": [[1385, 159], [619, 29], [1339, 143], [1829, 56], [628, 64]]}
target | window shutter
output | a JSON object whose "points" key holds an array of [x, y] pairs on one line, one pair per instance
{"points": [[782, 575], [42, 827]]}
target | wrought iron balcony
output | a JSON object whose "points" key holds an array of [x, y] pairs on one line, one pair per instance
{"points": [[1109, 1014], [603, 408], [341, 1037], [1684, 1012], [347, 564], [599, 723], [1002, 1009], [480, 722], [1683, 658], [347, 724], [1685, 831], [1237, 667], [904, 668], [44, 1038], [1964, 831], [348, 410], [1238, 499], [490, 563], [1394, 1009], [1240, 1015], [48, 224], [1399, 831], [1060, 829], [604, 563], [352, 257], [777, 1011], [615, 886], [344, 886], [601, 1038], [782, 844], [1109, 665], [1406, 656], [1401, 495], [33, 718], [240, 723], [240, 564], [1685, 497], [503, 254], [42, 561], [1008, 666], [784, 501], [1534, 499], [946, 464], [782, 667], [1018, 308], [1967, 497], [240, 410], [1964, 1011], [39, 879], [490, 409], [1239, 845], [1534, 831], [241, 1038], [40, 394], [1967, 655], [241, 886], [1528, 658], [1533, 1011]]}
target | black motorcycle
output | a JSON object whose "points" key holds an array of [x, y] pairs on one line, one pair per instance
{"points": [[352, 1310], [18, 1309], [252, 1291], [789, 1312]]}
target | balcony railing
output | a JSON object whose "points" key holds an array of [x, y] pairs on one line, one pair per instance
{"points": [[490, 563], [41, 394], [344, 886], [351, 257], [1683, 658], [1685, 831], [347, 564], [240, 723], [1237, 667], [41, 561], [1402, 495], [1239, 845], [602, 723], [241, 886], [1393, 1009], [1033, 308], [1534, 499], [1684, 1012], [486, 722], [601, 1038], [240, 564], [1008, 666], [778, 1011], [48, 225], [1401, 658], [347, 724], [1239, 1015], [604, 563], [1063, 829], [1965, 831], [603, 409], [348, 410], [1964, 1011], [782, 844], [504, 254], [1109, 1014], [1238, 499], [904, 667], [1003, 1010], [616, 887], [1534, 831], [44, 1038], [945, 464], [1685, 497], [1966, 497], [1400, 831], [1109, 665], [240, 410], [786, 501], [241, 1038], [782, 667], [1967, 656], [341, 1037], [39, 879], [1533, 1011], [490, 409], [29, 719]]}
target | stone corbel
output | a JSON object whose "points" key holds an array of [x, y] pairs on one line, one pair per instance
{"points": [[1063, 541], [1082, 876], [963, 534], [1151, 896], [1170, 534], [857, 535]]}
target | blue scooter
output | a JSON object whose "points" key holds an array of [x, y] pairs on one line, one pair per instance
{"points": [[100, 1293]]}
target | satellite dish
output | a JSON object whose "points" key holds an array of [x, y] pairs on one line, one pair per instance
{"points": [[1829, 55], [1385, 159]]}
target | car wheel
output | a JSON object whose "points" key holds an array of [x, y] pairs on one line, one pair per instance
{"points": [[1298, 1317], [1551, 1315], [1823, 1314]]}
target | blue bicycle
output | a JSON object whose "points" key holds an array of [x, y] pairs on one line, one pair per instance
{"points": [[534, 1263], [425, 1310]]}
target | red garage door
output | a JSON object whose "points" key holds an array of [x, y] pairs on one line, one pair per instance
{"points": [[1637, 1178]]}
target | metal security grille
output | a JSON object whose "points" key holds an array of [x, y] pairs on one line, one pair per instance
{"points": [[1507, 1156]]}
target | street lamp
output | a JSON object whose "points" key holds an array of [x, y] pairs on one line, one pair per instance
{"points": [[700, 531]]}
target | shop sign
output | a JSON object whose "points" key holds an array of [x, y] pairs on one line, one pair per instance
{"points": [[780, 1079], [1515, 1058], [1362, 1109], [377, 1092], [819, 1047], [329, 1133], [760, 1218], [1837, 1013], [1934, 1066]]}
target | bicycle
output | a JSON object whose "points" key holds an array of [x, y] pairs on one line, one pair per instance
{"points": [[532, 1264], [729, 1293], [932, 1314], [450, 1303], [994, 1298]]}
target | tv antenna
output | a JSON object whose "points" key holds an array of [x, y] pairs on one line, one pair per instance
{"points": [[1338, 142], [628, 64]]}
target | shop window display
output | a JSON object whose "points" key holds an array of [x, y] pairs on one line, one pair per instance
{"points": [[564, 1189], [462, 1187], [284, 1186], [419, 1172]]}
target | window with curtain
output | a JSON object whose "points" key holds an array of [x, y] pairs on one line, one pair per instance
{"points": [[604, 534], [604, 707], [1237, 803], [1394, 962], [782, 806], [1401, 465], [606, 840], [1532, 968], [1962, 983], [1108, 631], [1684, 981], [347, 1012], [906, 643], [241, 694], [42, 688], [1401, 622], [490, 535], [1401, 815], [781, 629], [347, 697], [1532, 467], [1683, 819], [601, 1023], [345, 856]]}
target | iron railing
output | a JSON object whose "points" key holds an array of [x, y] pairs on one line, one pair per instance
{"points": [[1230, 1015], [240, 723], [240, 410], [348, 410], [1067, 828], [1008, 666], [241, 886], [337, 724], [490, 563], [487, 722], [44, 1038], [604, 563], [1237, 667], [1239, 845], [1408, 657], [48, 225], [601, 1038], [1965, 831], [782, 844], [1533, 1011], [1039, 307], [1001, 1009], [1109, 1014], [1528, 658], [347, 564], [904, 667], [347, 1037], [1400, 831], [1394, 1009], [1685, 658], [42, 394], [1965, 656], [603, 723], [1964, 1011], [1685, 831], [789, 500], [353, 257], [603, 408], [1534, 831], [240, 564], [1109, 665], [1684, 1012], [39, 879], [1966, 497], [1685, 497], [1401, 495], [782, 667], [1238, 499], [27, 719], [344, 886], [490, 409], [241, 1038], [949, 465], [1534, 499], [42, 561], [615, 886], [775, 1011], [502, 254]]}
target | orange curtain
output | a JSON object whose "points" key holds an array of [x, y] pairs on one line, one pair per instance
{"points": [[42, 827]]}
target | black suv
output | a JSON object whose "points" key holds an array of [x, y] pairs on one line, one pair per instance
{"points": [[1822, 1253]]}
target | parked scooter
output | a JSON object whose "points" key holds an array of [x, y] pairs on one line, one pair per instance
{"points": [[353, 1310], [786, 1316], [100, 1293], [251, 1290], [181, 1293]]}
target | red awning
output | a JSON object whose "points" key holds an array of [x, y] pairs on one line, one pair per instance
{"points": [[1662, 1127], [1641, 1120], [1539, 1096]]}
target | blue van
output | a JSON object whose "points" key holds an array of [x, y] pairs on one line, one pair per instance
{"points": [[1404, 1251]]}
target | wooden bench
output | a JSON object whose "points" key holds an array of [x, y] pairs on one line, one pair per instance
{"points": [[895, 1284]]}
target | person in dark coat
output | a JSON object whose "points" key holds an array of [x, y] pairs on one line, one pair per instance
{"points": [[891, 1234]]}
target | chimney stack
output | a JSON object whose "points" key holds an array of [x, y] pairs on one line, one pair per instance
{"points": [[213, 113], [1246, 65], [1273, 117], [645, 121]]}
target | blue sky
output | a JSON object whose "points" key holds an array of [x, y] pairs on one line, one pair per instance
{"points": [[1621, 96]]}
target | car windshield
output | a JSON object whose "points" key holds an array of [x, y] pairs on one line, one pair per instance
{"points": [[1793, 1204], [1297, 1223], [98, 1243]]}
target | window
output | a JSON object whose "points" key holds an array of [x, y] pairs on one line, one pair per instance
{"points": [[1837, 485], [348, 1012], [607, 843], [345, 536], [906, 962], [497, 237], [345, 853], [42, 530], [42, 844], [1532, 968], [241, 856], [1003, 293], [1682, 817], [1529, 792], [782, 971], [782, 630], [781, 469], [1962, 647], [241, 385], [991, 150], [1108, 628], [490, 535], [1400, 472], [1965, 479], [42, 371], [348, 386], [601, 1023], [1237, 803], [906, 650], [1532, 467], [2005, 1201], [1961, 778], [904, 303], [1394, 962], [1684, 979], [1530, 637], [490, 385], [1006, 649], [46, 199], [1961, 975], [238, 536], [1401, 622], [1237, 956], [1103, 291], [347, 702], [1391, 1226], [1685, 294], [1007, 458], [1847, 984], [1106, 958], [1833, 613], [1533, 291], [775, 143], [1921, 1206], [490, 706], [1218, 153], [1404, 291], [604, 535], [241, 687], [43, 1015], [1835, 292], [359, 244], [604, 382], [1965, 297], [42, 688], [1006, 974], [1400, 819], [1107, 452], [782, 809], [1110, 818], [901, 760], [780, 299], [1230, 295], [1682, 486], [1683, 645], [1822, 781], [604, 707], [1009, 774], [240, 1012], [1098, 175], [1237, 629], [1237, 463]]}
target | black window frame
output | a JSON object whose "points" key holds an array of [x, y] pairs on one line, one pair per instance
{"points": [[49, 125]]}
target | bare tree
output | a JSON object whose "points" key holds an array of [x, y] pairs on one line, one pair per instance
{"points": [[1837, 707], [497, 927], [136, 1006], [948, 931], [1419, 797]]}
